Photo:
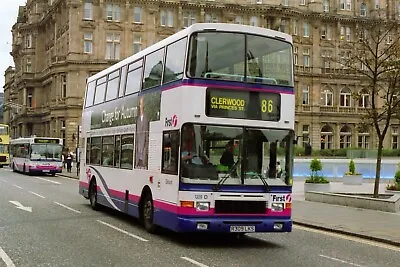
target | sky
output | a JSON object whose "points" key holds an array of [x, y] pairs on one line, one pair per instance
{"points": [[8, 16]]}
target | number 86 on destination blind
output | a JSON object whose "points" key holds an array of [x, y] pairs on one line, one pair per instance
{"points": [[267, 105]]}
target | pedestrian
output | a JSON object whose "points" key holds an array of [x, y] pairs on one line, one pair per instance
{"points": [[69, 162]]}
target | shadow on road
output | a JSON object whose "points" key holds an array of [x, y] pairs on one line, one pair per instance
{"points": [[194, 240]]}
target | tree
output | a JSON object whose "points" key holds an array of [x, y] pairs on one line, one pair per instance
{"points": [[374, 59]]}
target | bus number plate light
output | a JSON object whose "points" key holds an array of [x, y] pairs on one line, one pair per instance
{"points": [[202, 226]]}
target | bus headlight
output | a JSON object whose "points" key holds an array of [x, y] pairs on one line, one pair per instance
{"points": [[202, 206], [277, 207]]}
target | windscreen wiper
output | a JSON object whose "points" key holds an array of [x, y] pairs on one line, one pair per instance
{"points": [[222, 181], [264, 181]]}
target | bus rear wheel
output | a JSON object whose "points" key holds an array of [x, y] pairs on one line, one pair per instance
{"points": [[148, 213], [93, 195]]}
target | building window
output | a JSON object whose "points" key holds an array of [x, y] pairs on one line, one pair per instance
{"points": [[239, 20], [211, 18], [327, 98], [113, 46], [295, 55], [285, 2], [170, 156], [254, 21], [377, 4], [28, 64], [63, 85], [345, 137], [342, 33], [167, 18], [348, 34], [30, 99], [326, 58], [295, 27], [306, 95], [306, 57], [88, 43], [88, 10], [363, 10], [326, 137], [363, 138], [395, 137], [137, 15], [342, 4], [348, 4], [302, 2], [326, 6], [113, 12], [283, 26], [345, 97], [306, 134], [363, 101], [189, 18], [28, 41], [305, 30], [137, 44]]}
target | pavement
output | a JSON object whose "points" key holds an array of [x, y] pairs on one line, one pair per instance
{"points": [[364, 223]]}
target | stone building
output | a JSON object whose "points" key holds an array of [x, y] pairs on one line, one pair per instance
{"points": [[57, 44]]}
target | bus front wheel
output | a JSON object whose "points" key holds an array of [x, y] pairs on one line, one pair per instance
{"points": [[148, 213], [93, 195]]}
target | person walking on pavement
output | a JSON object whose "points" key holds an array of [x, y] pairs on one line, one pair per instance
{"points": [[69, 162]]}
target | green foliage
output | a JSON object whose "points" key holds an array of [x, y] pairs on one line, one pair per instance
{"points": [[318, 179], [315, 177], [315, 165], [352, 167]]}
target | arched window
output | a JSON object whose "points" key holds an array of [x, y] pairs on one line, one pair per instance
{"points": [[326, 137], [345, 97], [363, 136], [345, 137], [363, 99], [327, 97]]}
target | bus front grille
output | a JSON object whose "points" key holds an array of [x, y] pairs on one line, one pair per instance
{"points": [[3, 158], [240, 207]]}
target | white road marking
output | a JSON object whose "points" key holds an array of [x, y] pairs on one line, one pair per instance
{"points": [[6, 259], [68, 208], [350, 238], [20, 206], [123, 231], [339, 260], [36, 194], [194, 262], [47, 180], [17, 186]]}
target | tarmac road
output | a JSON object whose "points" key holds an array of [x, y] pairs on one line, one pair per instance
{"points": [[62, 230]]}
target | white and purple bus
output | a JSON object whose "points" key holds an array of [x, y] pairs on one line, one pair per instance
{"points": [[36, 155], [195, 133]]}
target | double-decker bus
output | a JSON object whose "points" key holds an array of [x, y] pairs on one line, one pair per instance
{"points": [[36, 155], [195, 133], [4, 145]]}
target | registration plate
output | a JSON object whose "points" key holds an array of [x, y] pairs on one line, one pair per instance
{"points": [[242, 228], [46, 171]]}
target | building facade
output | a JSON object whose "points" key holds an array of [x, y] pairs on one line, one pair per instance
{"points": [[57, 44]]}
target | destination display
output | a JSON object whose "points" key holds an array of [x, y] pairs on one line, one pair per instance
{"points": [[46, 141], [243, 104]]}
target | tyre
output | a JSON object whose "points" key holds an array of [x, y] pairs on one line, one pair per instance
{"points": [[148, 213], [13, 167], [93, 195]]}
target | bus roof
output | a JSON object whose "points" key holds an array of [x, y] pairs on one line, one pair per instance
{"points": [[186, 32]]}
